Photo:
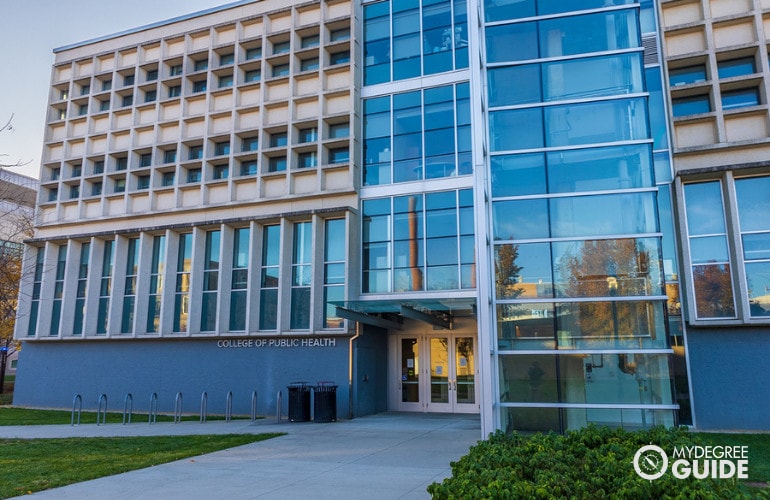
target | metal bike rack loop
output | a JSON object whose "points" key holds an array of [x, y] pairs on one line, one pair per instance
{"points": [[178, 408], [229, 406], [153, 415], [128, 408], [77, 405], [101, 411], [204, 406]]}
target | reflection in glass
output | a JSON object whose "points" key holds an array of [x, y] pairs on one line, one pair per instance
{"points": [[410, 371]]}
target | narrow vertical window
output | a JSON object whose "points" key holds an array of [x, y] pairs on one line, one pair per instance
{"points": [[156, 283], [210, 282], [105, 288], [80, 298], [334, 270], [301, 268], [58, 291], [37, 284], [129, 293], [239, 282], [182, 297], [271, 259]]}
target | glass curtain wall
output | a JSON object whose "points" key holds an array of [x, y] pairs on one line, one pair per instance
{"points": [[580, 294]]}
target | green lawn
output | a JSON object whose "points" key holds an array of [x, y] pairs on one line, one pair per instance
{"points": [[29, 465], [26, 416]]}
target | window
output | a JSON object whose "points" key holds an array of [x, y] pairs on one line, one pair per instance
{"points": [[269, 277], [175, 91], [53, 194], [307, 135], [128, 80], [121, 163], [740, 98], [309, 64], [225, 59], [37, 284], [106, 85], [339, 131], [736, 67], [119, 186], [104, 105], [281, 47], [195, 153], [80, 297], [127, 100], [175, 70], [129, 289], [253, 75], [339, 58], [143, 182], [99, 166], [249, 167], [96, 188], [281, 70], [278, 139], [85, 89], [339, 35], [210, 281], [182, 294], [250, 144], [339, 155], [693, 105], [145, 160], [334, 270], [201, 65], [307, 160], [82, 109], [194, 175], [77, 170], [55, 173], [105, 287], [221, 172], [58, 292], [169, 156], [167, 179], [199, 86], [64, 95], [225, 81], [687, 75], [156, 283], [151, 96], [239, 279], [74, 192], [712, 264], [152, 75], [222, 148], [277, 164], [253, 53], [301, 275], [310, 41]]}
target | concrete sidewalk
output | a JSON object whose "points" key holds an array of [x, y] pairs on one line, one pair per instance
{"points": [[383, 456]]}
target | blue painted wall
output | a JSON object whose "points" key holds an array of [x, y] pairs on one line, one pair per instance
{"points": [[730, 370], [51, 373]]}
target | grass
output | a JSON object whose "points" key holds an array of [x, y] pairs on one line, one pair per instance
{"points": [[29, 416], [30, 465], [759, 451]]}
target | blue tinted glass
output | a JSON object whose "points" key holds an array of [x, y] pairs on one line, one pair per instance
{"points": [[440, 142], [523, 271], [595, 122], [704, 250], [500, 40], [519, 220], [736, 67], [603, 215], [595, 169], [593, 76], [610, 31], [514, 175], [740, 98], [557, 6], [443, 199], [666, 217], [516, 129], [691, 105], [753, 196], [687, 75], [662, 167], [658, 121], [514, 85], [704, 208], [494, 10]]}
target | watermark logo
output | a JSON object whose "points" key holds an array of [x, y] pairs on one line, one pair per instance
{"points": [[717, 462]]}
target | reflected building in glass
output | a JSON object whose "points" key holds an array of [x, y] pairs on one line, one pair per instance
{"points": [[490, 207]]}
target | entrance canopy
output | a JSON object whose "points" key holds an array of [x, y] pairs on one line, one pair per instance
{"points": [[390, 314]]}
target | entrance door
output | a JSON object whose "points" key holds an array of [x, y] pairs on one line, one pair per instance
{"points": [[438, 373]]}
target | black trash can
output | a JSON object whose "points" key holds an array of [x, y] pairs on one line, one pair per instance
{"points": [[299, 402], [325, 402]]}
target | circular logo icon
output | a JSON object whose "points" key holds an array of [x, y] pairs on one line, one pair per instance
{"points": [[650, 462]]}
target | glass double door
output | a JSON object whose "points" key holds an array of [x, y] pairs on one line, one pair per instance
{"points": [[437, 373]]}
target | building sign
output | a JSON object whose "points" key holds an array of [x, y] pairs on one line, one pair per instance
{"points": [[278, 342]]}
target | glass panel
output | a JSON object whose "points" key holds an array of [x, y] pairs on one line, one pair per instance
{"points": [[713, 291], [611, 325], [465, 371], [694, 105], [526, 326], [595, 169], [758, 281], [596, 122], [515, 175], [687, 75], [516, 129], [522, 219], [300, 308], [704, 209], [603, 215], [530, 419], [410, 373], [439, 370], [740, 98], [567, 35], [528, 378], [523, 271], [736, 67], [592, 77], [753, 195], [756, 246]]}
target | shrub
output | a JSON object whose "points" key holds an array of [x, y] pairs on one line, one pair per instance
{"points": [[594, 462]]}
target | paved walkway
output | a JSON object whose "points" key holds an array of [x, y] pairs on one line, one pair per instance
{"points": [[384, 456]]}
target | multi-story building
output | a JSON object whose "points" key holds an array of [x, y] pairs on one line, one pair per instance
{"points": [[440, 205]]}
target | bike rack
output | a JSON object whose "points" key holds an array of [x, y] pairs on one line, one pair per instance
{"points": [[254, 406], [229, 406], [204, 406], [153, 415], [278, 405], [128, 408], [77, 402], [101, 411], [178, 408]]}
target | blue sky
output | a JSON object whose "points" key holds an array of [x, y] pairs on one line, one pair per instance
{"points": [[31, 29]]}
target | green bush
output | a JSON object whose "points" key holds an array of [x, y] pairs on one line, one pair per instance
{"points": [[595, 462]]}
